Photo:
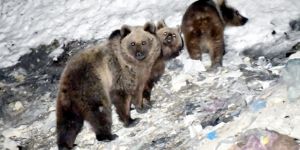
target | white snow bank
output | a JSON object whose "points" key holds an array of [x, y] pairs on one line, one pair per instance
{"points": [[264, 17], [25, 24]]}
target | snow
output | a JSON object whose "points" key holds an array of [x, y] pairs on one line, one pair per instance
{"points": [[296, 55], [264, 17], [27, 24], [56, 53]]}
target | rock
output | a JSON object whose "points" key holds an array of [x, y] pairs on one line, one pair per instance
{"points": [[18, 106], [255, 85], [295, 55], [160, 142], [258, 74], [247, 60], [175, 64], [56, 53], [293, 50], [52, 108], [231, 106], [295, 25], [189, 108], [215, 119], [263, 62], [195, 130], [296, 47], [260, 139], [201, 77], [52, 130], [291, 76], [272, 51]]}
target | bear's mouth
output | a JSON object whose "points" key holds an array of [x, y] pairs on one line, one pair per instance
{"points": [[168, 40], [140, 55]]}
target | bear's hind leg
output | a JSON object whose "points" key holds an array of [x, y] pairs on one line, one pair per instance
{"points": [[216, 52], [100, 119], [68, 126], [122, 102], [147, 94], [193, 47]]}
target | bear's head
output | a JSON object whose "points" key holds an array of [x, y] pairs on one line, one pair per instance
{"points": [[171, 40], [231, 16], [139, 44]]}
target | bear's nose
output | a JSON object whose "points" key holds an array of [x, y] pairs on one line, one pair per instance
{"points": [[244, 20], [169, 38], [140, 55]]}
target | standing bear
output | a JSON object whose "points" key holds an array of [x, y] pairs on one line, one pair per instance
{"points": [[96, 78], [171, 46], [203, 27]]}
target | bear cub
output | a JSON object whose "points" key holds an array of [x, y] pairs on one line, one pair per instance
{"points": [[97, 77], [203, 26], [171, 46]]}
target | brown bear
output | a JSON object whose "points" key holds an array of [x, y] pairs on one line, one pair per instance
{"points": [[203, 27], [142, 70], [96, 78], [171, 46]]}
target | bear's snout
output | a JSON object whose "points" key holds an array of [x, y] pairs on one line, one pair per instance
{"points": [[139, 55], [244, 20], [168, 39]]}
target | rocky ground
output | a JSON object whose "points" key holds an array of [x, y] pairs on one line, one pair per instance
{"points": [[250, 103], [190, 111]]}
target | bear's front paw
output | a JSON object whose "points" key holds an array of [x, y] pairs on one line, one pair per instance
{"points": [[132, 122], [147, 104], [143, 109], [106, 137], [215, 68]]}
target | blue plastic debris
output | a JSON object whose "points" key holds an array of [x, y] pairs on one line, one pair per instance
{"points": [[212, 135], [257, 105]]}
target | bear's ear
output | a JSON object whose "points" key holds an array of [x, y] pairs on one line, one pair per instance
{"points": [[221, 2], [125, 30], [179, 29], [115, 34], [161, 24], [150, 27]]}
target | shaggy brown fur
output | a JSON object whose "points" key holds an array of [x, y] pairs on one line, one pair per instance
{"points": [[141, 45], [172, 44], [97, 77], [203, 27]]}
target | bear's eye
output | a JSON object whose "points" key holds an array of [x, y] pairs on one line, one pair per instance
{"points": [[165, 33], [132, 43], [143, 42], [237, 13]]}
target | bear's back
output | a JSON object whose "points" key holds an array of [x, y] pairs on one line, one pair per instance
{"points": [[82, 74], [202, 15]]}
